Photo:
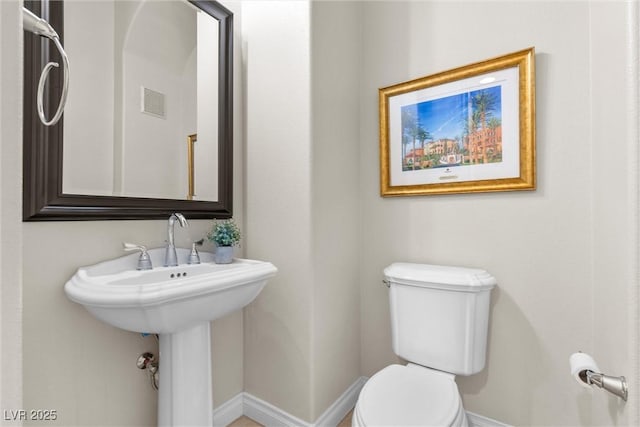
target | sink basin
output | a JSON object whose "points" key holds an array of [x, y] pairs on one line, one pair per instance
{"points": [[166, 299], [177, 303]]}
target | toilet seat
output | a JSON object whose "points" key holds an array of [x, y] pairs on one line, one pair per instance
{"points": [[409, 396]]}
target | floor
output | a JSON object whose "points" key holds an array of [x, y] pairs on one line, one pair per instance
{"points": [[248, 422]]}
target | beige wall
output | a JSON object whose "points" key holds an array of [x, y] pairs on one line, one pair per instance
{"points": [[301, 335], [614, 118], [278, 342], [10, 214], [556, 252], [335, 67], [564, 255]]}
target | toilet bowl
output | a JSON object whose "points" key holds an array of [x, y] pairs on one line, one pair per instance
{"points": [[409, 395], [439, 322]]}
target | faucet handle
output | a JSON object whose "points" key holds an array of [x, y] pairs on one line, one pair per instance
{"points": [[144, 262], [194, 257], [128, 247]]}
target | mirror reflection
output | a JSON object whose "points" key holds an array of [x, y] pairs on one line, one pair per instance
{"points": [[141, 118]]}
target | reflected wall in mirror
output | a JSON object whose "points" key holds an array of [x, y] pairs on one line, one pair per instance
{"points": [[145, 77], [144, 80]]}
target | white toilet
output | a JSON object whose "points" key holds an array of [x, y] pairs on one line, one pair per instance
{"points": [[439, 319]]}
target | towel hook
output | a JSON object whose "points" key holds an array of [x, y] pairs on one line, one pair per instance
{"points": [[40, 27]]}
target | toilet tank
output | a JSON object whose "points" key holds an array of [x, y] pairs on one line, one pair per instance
{"points": [[440, 315]]}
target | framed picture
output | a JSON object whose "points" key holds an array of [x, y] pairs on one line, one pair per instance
{"points": [[470, 129]]}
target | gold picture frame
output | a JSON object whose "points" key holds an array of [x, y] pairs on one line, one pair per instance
{"points": [[466, 130]]}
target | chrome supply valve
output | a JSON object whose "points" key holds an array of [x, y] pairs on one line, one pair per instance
{"points": [[194, 257], [147, 361], [144, 262]]}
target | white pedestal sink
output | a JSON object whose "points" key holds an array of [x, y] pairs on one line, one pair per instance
{"points": [[177, 303]]}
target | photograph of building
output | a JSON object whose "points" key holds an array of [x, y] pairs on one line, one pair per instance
{"points": [[458, 130]]}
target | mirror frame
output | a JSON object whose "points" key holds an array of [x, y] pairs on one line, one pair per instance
{"points": [[43, 198]]}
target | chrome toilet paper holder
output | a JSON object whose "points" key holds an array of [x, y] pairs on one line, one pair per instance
{"points": [[586, 372], [615, 385]]}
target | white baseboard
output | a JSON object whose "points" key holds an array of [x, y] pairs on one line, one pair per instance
{"points": [[476, 420], [229, 411], [272, 416], [269, 415], [341, 407]]}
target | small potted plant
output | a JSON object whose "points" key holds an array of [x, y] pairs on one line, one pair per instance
{"points": [[225, 234]]}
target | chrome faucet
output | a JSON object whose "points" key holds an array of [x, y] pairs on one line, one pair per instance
{"points": [[170, 257]]}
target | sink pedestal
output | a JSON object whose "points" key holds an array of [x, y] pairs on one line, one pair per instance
{"points": [[185, 395]]}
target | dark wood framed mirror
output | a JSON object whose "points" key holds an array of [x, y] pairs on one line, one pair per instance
{"points": [[43, 196]]}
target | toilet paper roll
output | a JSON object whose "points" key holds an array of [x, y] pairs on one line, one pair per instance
{"points": [[580, 363]]}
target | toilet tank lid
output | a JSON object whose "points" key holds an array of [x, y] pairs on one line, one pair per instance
{"points": [[440, 277]]}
